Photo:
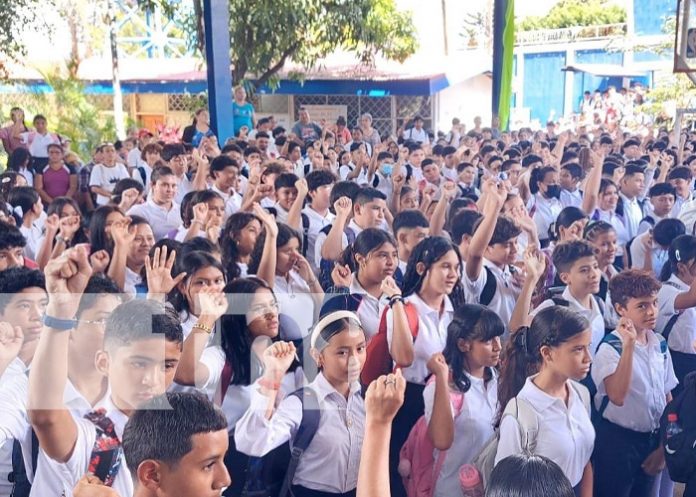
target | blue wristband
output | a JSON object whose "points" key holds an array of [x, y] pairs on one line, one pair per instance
{"points": [[58, 324]]}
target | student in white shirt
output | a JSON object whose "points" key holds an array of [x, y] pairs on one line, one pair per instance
{"points": [[681, 178], [196, 433], [360, 273], [160, 210], [632, 186], [285, 195], [466, 369], [634, 376], [662, 196], [417, 133], [606, 211], [225, 172], [227, 369], [237, 241], [150, 156], [317, 213], [677, 306], [202, 216], [557, 347], [433, 287], [570, 178], [26, 203], [648, 251], [131, 247], [277, 259], [330, 463], [138, 364], [410, 228], [105, 175], [545, 205]]}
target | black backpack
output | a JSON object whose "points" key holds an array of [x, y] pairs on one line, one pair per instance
{"points": [[680, 449]]}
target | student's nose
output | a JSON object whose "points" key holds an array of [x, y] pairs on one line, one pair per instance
{"points": [[222, 479], [152, 377], [496, 344]]}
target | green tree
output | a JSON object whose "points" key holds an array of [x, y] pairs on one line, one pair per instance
{"points": [[265, 34], [570, 13], [16, 16]]}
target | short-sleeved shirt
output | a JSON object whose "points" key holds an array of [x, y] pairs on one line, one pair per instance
{"points": [[106, 178], [161, 219], [683, 335], [472, 429], [56, 182], [242, 116], [651, 380], [316, 223], [506, 293], [545, 212]]}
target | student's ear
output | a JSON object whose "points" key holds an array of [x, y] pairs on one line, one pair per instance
{"points": [[564, 277], [101, 362], [545, 352], [420, 268], [357, 209], [401, 237], [620, 310], [181, 286], [359, 260], [463, 345], [150, 474], [316, 355]]}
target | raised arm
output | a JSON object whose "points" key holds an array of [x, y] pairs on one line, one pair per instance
{"points": [[437, 221], [123, 235], [267, 265], [534, 264], [66, 279], [496, 195], [590, 196], [401, 348], [333, 245], [441, 425], [618, 383], [295, 212]]}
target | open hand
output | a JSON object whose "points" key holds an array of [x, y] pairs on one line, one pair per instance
{"points": [[159, 272]]}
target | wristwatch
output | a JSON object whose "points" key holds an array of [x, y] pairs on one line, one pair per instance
{"points": [[62, 239]]}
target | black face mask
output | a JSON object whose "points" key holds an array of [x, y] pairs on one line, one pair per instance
{"points": [[553, 191]]}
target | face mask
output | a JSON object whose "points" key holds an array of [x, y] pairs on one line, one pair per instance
{"points": [[387, 169], [553, 191]]}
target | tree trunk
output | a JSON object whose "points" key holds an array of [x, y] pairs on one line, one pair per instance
{"points": [[115, 76]]}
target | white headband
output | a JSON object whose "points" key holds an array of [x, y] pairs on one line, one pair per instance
{"points": [[327, 320]]}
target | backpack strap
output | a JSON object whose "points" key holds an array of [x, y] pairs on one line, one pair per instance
{"points": [[311, 414], [21, 487], [225, 379], [305, 233], [583, 393], [560, 301], [670, 324], [350, 235], [143, 175], [105, 459], [489, 288], [527, 420]]}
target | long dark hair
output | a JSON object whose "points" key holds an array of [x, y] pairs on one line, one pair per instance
{"points": [[230, 253], [193, 198], [551, 327], [285, 234], [56, 207], [236, 340], [471, 322], [24, 197], [192, 263], [682, 249], [367, 241], [19, 157], [98, 238], [538, 176], [429, 251], [523, 475]]}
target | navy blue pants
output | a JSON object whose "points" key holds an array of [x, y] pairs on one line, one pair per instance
{"points": [[617, 459]]}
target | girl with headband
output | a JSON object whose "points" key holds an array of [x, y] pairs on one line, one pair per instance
{"points": [[539, 365], [329, 466]]}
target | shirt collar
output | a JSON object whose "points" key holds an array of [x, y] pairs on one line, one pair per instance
{"points": [[324, 389], [540, 399], [675, 279], [424, 308], [576, 304]]}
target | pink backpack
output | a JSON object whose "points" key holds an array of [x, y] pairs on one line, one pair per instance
{"points": [[417, 466]]}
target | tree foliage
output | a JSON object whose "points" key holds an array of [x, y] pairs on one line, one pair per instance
{"points": [[569, 13], [265, 34], [16, 16]]}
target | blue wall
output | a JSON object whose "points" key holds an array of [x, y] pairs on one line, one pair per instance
{"points": [[650, 15], [544, 84], [587, 82]]}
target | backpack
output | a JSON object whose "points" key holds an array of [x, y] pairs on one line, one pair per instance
{"points": [[680, 449], [21, 487], [143, 174], [528, 422], [379, 360], [325, 265], [257, 483], [672, 320], [417, 466], [489, 288]]}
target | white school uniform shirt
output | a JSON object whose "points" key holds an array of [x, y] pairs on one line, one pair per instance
{"points": [[472, 429], [161, 219], [184, 186], [593, 315], [632, 214], [566, 435], [321, 238], [106, 178], [417, 136], [139, 178], [33, 236], [14, 425], [658, 255], [281, 213], [683, 336], [330, 463], [28, 175], [432, 335], [135, 158], [233, 201], [571, 199], [316, 223], [70, 472], [652, 379], [295, 299], [506, 292], [450, 173], [646, 226], [181, 234], [679, 203], [370, 309], [622, 234], [132, 279], [39, 143], [545, 213]]}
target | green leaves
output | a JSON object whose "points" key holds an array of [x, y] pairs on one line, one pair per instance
{"points": [[569, 13]]}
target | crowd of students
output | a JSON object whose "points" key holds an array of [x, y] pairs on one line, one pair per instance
{"points": [[327, 312]]}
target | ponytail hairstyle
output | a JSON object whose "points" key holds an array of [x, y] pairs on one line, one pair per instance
{"points": [[471, 322], [429, 251], [367, 241], [228, 242], [56, 207], [551, 327], [537, 176], [22, 199], [285, 234], [192, 263], [681, 251]]}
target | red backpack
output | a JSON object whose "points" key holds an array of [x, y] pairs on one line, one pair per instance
{"points": [[379, 361], [418, 468]]}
